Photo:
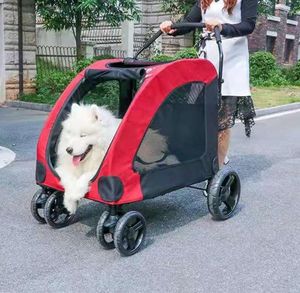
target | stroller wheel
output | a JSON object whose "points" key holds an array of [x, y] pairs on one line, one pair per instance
{"points": [[224, 193], [104, 232], [130, 233], [37, 205], [56, 215]]}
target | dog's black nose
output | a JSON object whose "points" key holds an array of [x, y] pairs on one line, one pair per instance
{"points": [[69, 150]]}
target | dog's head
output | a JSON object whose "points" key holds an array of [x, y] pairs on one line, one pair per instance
{"points": [[81, 131]]}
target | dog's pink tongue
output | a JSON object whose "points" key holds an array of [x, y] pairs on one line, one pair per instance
{"points": [[76, 160]]}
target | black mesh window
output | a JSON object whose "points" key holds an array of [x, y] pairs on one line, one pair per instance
{"points": [[177, 131]]}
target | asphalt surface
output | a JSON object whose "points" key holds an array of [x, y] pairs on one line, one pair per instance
{"points": [[186, 251]]}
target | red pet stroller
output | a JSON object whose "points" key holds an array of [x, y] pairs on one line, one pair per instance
{"points": [[177, 99]]}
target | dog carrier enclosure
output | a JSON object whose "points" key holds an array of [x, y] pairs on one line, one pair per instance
{"points": [[167, 140]]}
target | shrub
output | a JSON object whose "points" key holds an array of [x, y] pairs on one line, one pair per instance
{"points": [[50, 86], [264, 70], [293, 74], [186, 53], [83, 63], [162, 58]]}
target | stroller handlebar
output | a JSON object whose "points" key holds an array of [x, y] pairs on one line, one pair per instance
{"points": [[179, 25], [192, 25], [188, 25]]}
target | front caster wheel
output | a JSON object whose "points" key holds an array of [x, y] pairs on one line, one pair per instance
{"points": [[56, 215], [224, 193], [130, 233], [37, 205], [104, 231]]}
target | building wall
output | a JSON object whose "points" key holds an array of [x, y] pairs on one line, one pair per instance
{"points": [[2, 61], [152, 16], [9, 46], [282, 29]]}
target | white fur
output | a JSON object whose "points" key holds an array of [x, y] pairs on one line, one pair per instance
{"points": [[86, 125]]}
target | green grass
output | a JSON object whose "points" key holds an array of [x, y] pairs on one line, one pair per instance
{"points": [[266, 97]]}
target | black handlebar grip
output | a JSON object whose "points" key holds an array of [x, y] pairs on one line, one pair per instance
{"points": [[218, 34], [188, 25]]}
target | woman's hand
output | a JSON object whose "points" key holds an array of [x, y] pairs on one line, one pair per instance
{"points": [[165, 27], [211, 24]]}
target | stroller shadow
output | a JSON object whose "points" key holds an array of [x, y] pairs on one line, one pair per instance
{"points": [[163, 214], [251, 166], [167, 213]]}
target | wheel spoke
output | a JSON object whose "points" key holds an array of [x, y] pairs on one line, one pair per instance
{"points": [[125, 242], [137, 226], [131, 242], [230, 202], [229, 182]]}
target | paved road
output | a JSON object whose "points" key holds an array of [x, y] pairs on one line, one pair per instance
{"points": [[186, 251]]}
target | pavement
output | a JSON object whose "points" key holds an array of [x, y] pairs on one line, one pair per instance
{"points": [[257, 250]]}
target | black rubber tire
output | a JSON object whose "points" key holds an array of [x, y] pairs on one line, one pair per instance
{"points": [[102, 231], [222, 200], [132, 225], [54, 209], [38, 203]]}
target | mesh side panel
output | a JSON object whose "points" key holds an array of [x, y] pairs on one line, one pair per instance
{"points": [[187, 94], [177, 131]]}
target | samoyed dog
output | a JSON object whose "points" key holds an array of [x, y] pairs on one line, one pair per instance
{"points": [[85, 137]]}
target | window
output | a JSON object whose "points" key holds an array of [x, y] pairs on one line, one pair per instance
{"points": [[270, 44], [289, 46]]}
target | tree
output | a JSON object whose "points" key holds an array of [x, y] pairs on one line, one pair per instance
{"points": [[295, 6], [177, 7], [79, 14]]}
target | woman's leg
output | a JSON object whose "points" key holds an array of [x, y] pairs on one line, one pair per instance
{"points": [[223, 145]]}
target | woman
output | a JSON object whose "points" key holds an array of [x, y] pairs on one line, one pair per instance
{"points": [[236, 19]]}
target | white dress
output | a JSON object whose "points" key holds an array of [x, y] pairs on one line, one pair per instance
{"points": [[236, 52]]}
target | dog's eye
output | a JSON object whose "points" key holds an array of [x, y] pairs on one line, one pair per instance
{"points": [[83, 135]]}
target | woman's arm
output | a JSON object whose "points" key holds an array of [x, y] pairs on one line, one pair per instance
{"points": [[193, 16], [247, 25]]}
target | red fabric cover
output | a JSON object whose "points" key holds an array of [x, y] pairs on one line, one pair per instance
{"points": [[51, 180], [159, 82]]}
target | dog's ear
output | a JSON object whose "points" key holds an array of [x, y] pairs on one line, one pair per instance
{"points": [[95, 111], [74, 107]]}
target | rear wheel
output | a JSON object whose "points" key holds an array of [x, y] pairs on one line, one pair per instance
{"points": [[224, 193], [130, 233], [56, 215], [37, 205]]}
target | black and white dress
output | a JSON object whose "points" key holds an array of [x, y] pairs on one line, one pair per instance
{"points": [[236, 97]]}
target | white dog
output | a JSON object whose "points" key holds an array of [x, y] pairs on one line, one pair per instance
{"points": [[85, 137]]}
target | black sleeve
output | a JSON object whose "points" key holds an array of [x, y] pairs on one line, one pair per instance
{"points": [[247, 25], [193, 16]]}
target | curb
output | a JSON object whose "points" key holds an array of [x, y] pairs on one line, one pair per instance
{"points": [[29, 105], [277, 109], [47, 108]]}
